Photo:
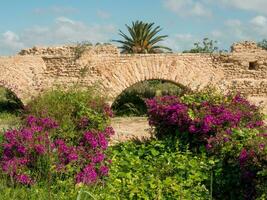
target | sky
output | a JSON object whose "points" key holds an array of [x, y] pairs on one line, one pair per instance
{"points": [[24, 24]]}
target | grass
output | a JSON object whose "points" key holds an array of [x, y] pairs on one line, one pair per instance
{"points": [[10, 109], [8, 120]]}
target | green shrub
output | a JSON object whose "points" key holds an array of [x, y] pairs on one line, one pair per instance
{"points": [[227, 127], [242, 167], [10, 109], [208, 94], [69, 108], [73, 147], [9, 102], [63, 190], [158, 170], [150, 170]]}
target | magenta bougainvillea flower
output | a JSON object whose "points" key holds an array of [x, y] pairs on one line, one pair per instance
{"points": [[25, 147]]}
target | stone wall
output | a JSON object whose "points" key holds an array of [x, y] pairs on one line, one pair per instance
{"points": [[246, 47], [245, 71], [23, 75], [37, 69], [70, 50]]}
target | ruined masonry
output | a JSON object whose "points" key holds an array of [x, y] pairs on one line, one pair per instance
{"points": [[35, 70]]}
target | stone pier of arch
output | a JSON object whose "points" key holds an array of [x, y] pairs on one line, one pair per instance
{"points": [[35, 70]]}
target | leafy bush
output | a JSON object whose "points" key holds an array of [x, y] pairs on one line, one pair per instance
{"points": [[73, 109], [63, 190], [10, 109], [227, 127], [158, 170], [27, 151], [242, 155], [62, 153], [68, 138], [9, 102], [263, 44], [30, 155], [201, 120], [134, 174], [207, 46], [80, 48]]}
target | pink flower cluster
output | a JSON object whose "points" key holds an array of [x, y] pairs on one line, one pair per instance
{"points": [[107, 111], [169, 114], [21, 148], [228, 128], [24, 147]]}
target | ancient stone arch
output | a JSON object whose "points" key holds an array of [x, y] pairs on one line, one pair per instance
{"points": [[190, 71], [21, 75], [37, 69]]}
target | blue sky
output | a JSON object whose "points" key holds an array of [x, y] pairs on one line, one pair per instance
{"points": [[24, 24]]}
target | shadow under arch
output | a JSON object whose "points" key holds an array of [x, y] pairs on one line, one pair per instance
{"points": [[9, 101], [131, 100]]}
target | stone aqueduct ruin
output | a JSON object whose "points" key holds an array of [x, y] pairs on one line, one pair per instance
{"points": [[35, 70]]}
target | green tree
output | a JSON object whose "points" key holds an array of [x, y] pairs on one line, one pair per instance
{"points": [[207, 46], [143, 38], [263, 44]]}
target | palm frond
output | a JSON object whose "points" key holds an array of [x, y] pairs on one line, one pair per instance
{"points": [[142, 38]]}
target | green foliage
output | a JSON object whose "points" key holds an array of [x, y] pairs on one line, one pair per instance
{"points": [[68, 107], [228, 171], [208, 94], [9, 102], [158, 170], [150, 170], [143, 38], [263, 44], [80, 48], [228, 127], [10, 109], [83, 71], [131, 102], [63, 190], [207, 46]]}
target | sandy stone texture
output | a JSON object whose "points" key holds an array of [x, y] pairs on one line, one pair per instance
{"points": [[35, 70]]}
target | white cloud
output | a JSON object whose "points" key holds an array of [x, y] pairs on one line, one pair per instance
{"points": [[249, 5], [216, 33], [103, 14], [254, 29], [10, 41], [259, 21], [235, 30], [259, 25], [62, 31], [186, 36], [180, 42], [65, 20], [233, 22], [55, 10], [232, 30], [188, 8]]}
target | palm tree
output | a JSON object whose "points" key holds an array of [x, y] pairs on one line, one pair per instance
{"points": [[143, 39]]}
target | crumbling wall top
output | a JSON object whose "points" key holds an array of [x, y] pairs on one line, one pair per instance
{"points": [[246, 47], [70, 50]]}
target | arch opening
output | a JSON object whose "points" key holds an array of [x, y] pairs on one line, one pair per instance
{"points": [[10, 108], [131, 101]]}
